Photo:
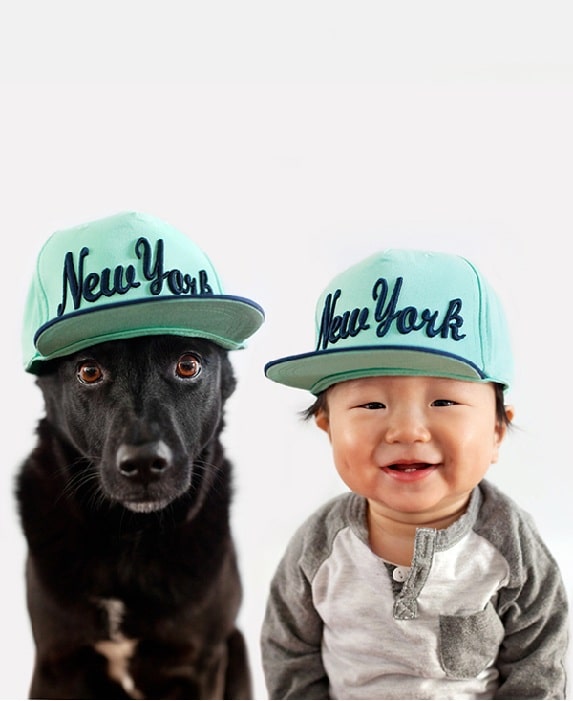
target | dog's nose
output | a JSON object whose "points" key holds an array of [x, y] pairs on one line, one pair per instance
{"points": [[145, 462]]}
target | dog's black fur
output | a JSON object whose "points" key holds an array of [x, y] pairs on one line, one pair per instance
{"points": [[124, 503]]}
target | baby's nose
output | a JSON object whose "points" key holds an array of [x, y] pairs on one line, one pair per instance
{"points": [[407, 426]]}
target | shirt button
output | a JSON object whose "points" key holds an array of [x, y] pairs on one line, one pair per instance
{"points": [[400, 574]]}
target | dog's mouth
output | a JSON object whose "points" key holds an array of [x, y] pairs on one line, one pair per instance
{"points": [[141, 497], [146, 507]]}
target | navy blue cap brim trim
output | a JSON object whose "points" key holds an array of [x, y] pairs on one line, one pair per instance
{"points": [[317, 370], [225, 320], [117, 305]]}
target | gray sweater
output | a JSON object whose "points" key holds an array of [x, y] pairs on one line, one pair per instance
{"points": [[481, 612]]}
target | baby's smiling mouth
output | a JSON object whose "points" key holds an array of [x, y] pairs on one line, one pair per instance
{"points": [[407, 466]]}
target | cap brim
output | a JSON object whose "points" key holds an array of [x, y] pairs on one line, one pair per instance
{"points": [[316, 371], [226, 320]]}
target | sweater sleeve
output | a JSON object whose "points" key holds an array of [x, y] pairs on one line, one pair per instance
{"points": [[533, 609], [532, 657], [291, 637]]}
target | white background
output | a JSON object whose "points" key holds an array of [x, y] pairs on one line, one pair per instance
{"points": [[290, 139]]}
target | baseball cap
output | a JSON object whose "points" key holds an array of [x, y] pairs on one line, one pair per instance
{"points": [[127, 275], [404, 312]]}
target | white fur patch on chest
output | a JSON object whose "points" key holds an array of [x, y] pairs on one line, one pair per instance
{"points": [[118, 650]]}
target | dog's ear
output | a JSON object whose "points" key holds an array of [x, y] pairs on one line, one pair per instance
{"points": [[228, 380], [46, 367]]}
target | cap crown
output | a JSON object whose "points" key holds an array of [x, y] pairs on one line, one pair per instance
{"points": [[404, 312], [127, 275]]}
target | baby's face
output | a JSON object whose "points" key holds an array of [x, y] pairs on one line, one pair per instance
{"points": [[413, 446]]}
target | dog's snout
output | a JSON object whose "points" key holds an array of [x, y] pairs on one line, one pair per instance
{"points": [[144, 462]]}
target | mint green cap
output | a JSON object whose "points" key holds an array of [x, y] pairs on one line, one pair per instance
{"points": [[404, 312], [124, 276]]}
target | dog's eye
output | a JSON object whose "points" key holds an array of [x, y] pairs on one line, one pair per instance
{"points": [[89, 372], [188, 366]]}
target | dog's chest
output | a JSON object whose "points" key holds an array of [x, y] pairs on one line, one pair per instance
{"points": [[118, 650]]}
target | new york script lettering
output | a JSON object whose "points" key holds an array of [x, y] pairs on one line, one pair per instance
{"points": [[119, 281], [386, 313]]}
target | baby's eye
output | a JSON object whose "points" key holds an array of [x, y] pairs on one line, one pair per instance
{"points": [[373, 405], [444, 402]]}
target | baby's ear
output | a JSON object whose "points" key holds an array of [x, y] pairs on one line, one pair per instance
{"points": [[503, 425], [321, 419], [501, 431]]}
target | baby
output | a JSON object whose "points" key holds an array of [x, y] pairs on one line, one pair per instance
{"points": [[424, 581]]}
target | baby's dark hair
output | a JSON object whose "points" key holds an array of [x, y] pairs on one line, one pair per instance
{"points": [[321, 404]]}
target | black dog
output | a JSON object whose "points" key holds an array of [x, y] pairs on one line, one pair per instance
{"points": [[132, 580]]}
